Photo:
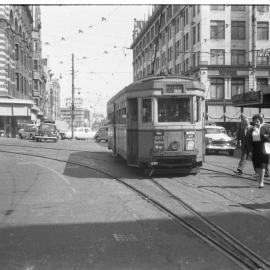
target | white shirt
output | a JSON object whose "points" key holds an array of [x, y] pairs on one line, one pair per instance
{"points": [[256, 134]]}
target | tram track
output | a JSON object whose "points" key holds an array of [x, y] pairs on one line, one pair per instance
{"points": [[206, 230]]}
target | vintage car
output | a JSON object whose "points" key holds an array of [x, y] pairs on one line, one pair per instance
{"points": [[47, 131], [81, 133], [101, 134], [28, 132], [218, 140]]}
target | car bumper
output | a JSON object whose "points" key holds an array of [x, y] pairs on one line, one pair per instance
{"points": [[220, 148], [46, 137]]}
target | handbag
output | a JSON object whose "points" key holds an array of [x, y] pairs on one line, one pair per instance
{"points": [[266, 148]]}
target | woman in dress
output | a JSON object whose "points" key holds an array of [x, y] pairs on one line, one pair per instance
{"points": [[259, 134]]}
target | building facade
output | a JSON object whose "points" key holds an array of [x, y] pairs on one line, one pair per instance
{"points": [[39, 78], [218, 44], [15, 67]]}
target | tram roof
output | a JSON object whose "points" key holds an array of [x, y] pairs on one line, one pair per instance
{"points": [[157, 82]]}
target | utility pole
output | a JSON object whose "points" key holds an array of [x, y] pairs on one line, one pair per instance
{"points": [[72, 99]]}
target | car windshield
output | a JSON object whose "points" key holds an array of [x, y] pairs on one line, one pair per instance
{"points": [[174, 110], [47, 127], [215, 130]]}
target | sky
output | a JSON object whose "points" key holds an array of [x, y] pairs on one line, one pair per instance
{"points": [[99, 36]]}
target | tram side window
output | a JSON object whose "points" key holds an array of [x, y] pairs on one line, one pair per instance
{"points": [[174, 110], [146, 110], [121, 116]]}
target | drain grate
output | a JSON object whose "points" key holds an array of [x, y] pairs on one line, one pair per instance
{"points": [[125, 237]]}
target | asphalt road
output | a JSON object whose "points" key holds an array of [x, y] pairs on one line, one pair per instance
{"points": [[57, 215]]}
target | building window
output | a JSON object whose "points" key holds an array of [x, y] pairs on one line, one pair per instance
{"points": [[217, 88], [169, 33], [35, 65], [17, 81], [186, 64], [198, 32], [194, 59], [262, 60], [194, 10], [217, 57], [238, 57], [237, 86], [186, 42], [194, 35], [217, 7], [36, 85], [217, 29], [185, 16], [177, 25], [17, 52], [170, 54], [263, 8], [238, 30], [169, 13], [238, 8], [261, 82], [177, 48], [262, 30], [35, 47]]}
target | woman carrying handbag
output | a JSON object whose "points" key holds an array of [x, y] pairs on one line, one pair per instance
{"points": [[259, 137]]}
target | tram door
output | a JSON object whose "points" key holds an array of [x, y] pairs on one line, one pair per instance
{"points": [[132, 131]]}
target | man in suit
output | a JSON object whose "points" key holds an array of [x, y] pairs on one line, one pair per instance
{"points": [[242, 141]]}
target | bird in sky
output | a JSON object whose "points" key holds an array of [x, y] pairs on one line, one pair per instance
{"points": [[47, 43], [63, 39], [103, 19], [80, 31]]}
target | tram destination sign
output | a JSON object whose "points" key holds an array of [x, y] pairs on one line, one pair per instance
{"points": [[176, 89]]}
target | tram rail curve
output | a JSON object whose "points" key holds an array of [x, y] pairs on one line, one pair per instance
{"points": [[211, 233]]}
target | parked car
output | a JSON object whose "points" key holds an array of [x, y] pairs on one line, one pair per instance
{"points": [[81, 133], [28, 132], [47, 131], [217, 139], [101, 134]]}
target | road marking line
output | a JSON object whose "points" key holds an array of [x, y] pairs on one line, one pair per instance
{"points": [[52, 170]]}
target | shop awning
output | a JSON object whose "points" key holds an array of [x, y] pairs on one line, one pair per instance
{"points": [[15, 107]]}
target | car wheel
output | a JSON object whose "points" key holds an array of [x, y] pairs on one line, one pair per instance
{"points": [[231, 152], [207, 152]]}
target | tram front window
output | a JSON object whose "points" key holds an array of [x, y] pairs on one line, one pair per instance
{"points": [[174, 110]]}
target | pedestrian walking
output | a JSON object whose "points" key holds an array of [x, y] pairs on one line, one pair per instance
{"points": [[243, 142], [268, 128], [258, 135]]}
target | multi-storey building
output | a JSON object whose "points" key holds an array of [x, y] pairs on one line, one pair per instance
{"points": [[217, 44], [15, 66], [39, 76]]}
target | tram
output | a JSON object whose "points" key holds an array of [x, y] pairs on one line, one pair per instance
{"points": [[158, 124]]}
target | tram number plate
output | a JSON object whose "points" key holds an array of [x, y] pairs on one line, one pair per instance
{"points": [[159, 136]]}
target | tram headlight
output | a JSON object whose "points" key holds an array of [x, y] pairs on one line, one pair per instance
{"points": [[159, 146]]}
